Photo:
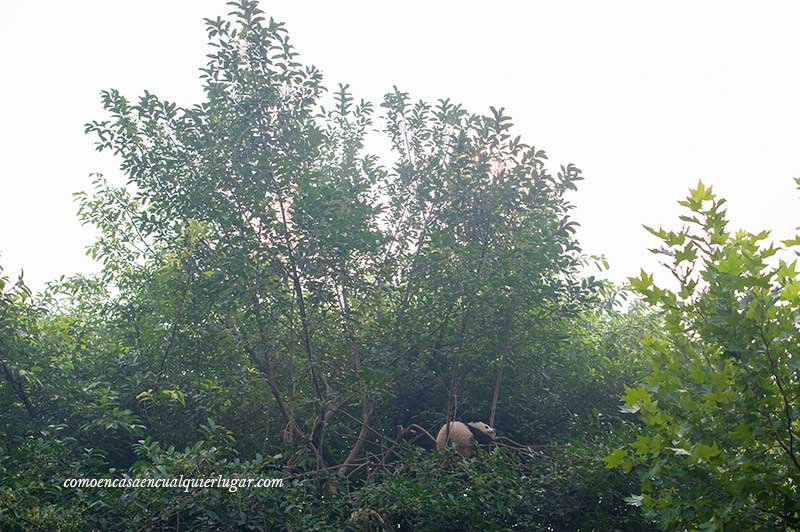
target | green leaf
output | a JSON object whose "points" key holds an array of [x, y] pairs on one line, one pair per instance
{"points": [[705, 452], [636, 396], [614, 459]]}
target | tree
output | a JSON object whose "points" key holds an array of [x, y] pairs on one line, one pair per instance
{"points": [[283, 237], [718, 447]]}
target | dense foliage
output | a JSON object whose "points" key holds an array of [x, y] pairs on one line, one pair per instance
{"points": [[720, 407], [275, 301]]}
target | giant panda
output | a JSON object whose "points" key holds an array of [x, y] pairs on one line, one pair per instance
{"points": [[464, 435]]}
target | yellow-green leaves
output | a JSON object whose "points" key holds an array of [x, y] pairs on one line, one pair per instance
{"points": [[701, 193], [790, 291]]}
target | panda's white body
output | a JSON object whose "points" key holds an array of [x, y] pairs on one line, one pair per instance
{"points": [[463, 436]]}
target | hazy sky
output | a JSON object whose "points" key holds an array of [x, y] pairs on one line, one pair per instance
{"points": [[646, 98]]}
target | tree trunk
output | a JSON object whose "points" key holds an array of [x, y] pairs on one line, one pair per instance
{"points": [[347, 465]]}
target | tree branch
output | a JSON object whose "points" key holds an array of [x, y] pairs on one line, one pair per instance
{"points": [[18, 388]]}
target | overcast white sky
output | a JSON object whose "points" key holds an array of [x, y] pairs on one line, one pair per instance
{"points": [[645, 98]]}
